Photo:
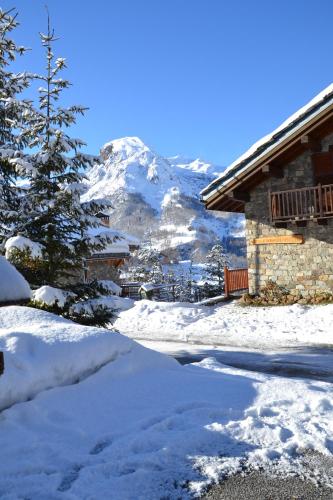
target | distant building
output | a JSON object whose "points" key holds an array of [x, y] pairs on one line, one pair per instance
{"points": [[284, 186], [104, 265]]}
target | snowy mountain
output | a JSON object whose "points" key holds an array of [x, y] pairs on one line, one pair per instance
{"points": [[158, 199]]}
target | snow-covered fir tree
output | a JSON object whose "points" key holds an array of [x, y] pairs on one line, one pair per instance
{"points": [[53, 215], [13, 122], [148, 265], [216, 260]]}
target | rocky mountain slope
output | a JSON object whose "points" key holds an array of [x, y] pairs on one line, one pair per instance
{"points": [[157, 199]]}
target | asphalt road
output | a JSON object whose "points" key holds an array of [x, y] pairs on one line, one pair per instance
{"points": [[258, 485], [305, 362], [309, 362]]}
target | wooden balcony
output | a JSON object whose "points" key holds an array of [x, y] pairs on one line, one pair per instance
{"points": [[301, 205]]}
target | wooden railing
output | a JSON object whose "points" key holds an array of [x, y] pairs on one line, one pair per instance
{"points": [[301, 204], [235, 280]]}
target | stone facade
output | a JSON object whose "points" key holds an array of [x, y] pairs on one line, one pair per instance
{"points": [[303, 269], [101, 269]]}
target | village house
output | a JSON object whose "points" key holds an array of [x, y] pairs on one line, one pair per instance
{"points": [[284, 186], [105, 264]]}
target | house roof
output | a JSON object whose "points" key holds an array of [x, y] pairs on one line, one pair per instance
{"points": [[319, 106], [119, 243]]}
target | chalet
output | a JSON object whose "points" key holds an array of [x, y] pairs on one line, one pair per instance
{"points": [[104, 265], [284, 186]]}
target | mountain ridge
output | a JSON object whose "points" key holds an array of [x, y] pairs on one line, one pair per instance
{"points": [[158, 199]]}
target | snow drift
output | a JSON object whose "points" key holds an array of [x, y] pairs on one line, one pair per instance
{"points": [[43, 350], [138, 424], [229, 324]]}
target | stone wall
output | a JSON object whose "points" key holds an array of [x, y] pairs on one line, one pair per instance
{"points": [[304, 268]]}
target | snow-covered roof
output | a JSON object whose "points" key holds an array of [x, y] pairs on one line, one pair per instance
{"points": [[13, 287], [268, 143], [120, 242]]}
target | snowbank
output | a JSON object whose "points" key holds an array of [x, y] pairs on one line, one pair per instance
{"points": [[22, 243], [142, 426], [13, 287], [229, 324], [43, 350]]}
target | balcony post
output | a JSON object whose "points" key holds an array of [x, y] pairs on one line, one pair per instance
{"points": [[270, 205], [320, 198]]}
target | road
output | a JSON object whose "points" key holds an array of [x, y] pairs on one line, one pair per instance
{"points": [[314, 362]]}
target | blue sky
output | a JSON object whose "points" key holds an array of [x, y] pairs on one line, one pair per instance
{"points": [[194, 77]]}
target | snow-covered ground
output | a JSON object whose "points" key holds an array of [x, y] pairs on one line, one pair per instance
{"points": [[138, 425], [229, 324]]}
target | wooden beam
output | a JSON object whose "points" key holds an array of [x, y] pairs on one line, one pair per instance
{"points": [[305, 139], [281, 225], [273, 171], [292, 239], [301, 223], [240, 195], [311, 143]]}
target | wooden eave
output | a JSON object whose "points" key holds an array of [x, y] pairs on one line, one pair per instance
{"points": [[284, 152], [108, 256]]}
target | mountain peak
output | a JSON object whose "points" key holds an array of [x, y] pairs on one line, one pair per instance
{"points": [[125, 147]]}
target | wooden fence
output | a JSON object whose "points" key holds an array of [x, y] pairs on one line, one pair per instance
{"points": [[235, 280]]}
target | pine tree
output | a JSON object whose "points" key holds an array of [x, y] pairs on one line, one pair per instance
{"points": [[54, 216], [13, 122], [216, 261], [51, 214], [150, 260]]}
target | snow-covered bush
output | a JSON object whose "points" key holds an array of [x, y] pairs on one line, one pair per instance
{"points": [[83, 303], [26, 256], [51, 296]]}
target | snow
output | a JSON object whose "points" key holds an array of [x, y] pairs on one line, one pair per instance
{"points": [[118, 242], [13, 286], [154, 190], [22, 243], [138, 424], [113, 303], [50, 295], [111, 286], [229, 324], [43, 350], [196, 165], [261, 142]]}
